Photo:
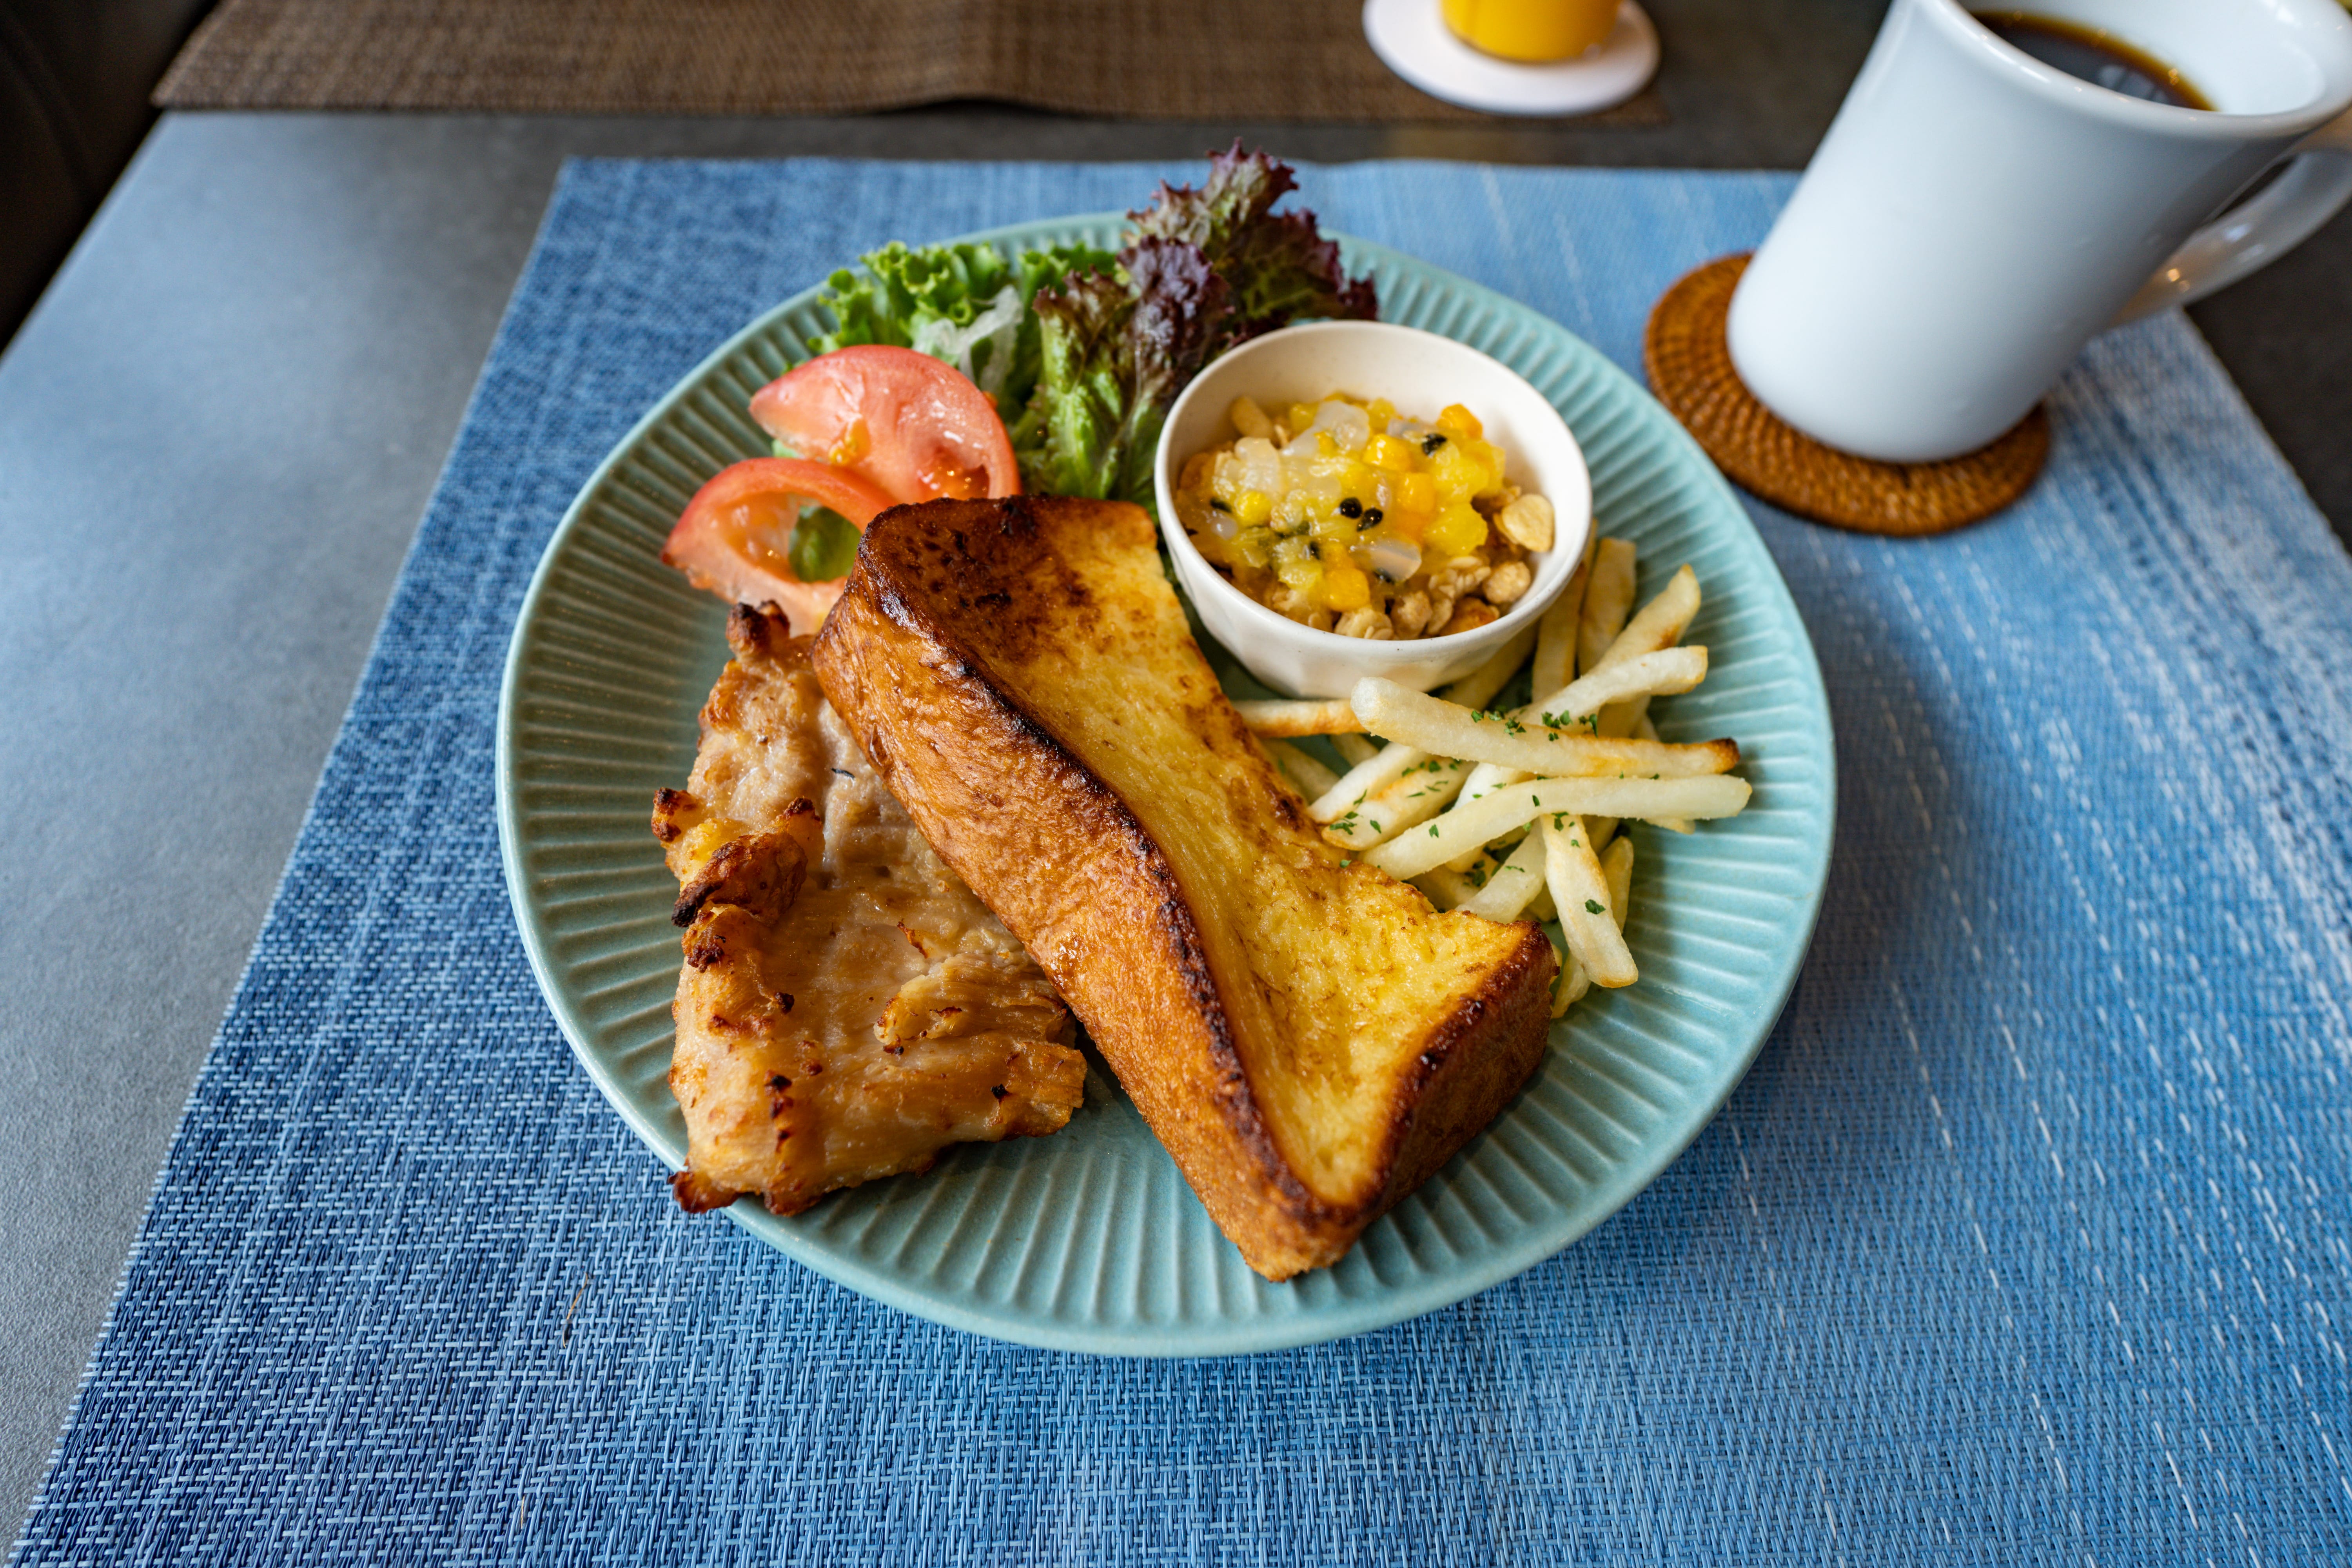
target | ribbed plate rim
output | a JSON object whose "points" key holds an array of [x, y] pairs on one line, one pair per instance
{"points": [[1426, 1293]]}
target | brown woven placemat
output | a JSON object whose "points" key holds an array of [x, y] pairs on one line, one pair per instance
{"points": [[1689, 364], [1137, 59]]}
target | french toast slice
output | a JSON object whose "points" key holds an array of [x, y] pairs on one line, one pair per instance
{"points": [[1308, 1038]]}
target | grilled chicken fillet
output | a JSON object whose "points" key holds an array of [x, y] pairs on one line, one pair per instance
{"points": [[846, 1007]]}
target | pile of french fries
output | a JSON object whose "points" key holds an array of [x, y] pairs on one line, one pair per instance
{"points": [[1515, 815]]}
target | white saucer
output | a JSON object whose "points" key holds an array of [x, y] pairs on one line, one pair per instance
{"points": [[1411, 40]]}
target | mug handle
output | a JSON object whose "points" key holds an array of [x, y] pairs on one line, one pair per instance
{"points": [[2317, 181]]}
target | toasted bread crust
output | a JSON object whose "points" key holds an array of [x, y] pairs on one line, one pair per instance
{"points": [[923, 656]]}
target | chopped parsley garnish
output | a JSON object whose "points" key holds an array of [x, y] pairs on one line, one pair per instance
{"points": [[1591, 908]]}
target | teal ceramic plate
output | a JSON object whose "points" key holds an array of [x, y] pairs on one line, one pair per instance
{"points": [[1089, 1240]]}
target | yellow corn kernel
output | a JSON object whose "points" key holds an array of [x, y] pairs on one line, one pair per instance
{"points": [[1412, 525], [1345, 588], [1325, 445], [1459, 421], [1458, 529], [1300, 418], [1300, 574], [1459, 475], [1388, 452], [1379, 410], [1416, 492], [1252, 508]]}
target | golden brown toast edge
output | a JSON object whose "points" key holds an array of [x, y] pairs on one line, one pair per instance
{"points": [[1022, 821]]}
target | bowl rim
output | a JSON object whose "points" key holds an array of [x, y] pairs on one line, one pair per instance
{"points": [[1485, 639]]}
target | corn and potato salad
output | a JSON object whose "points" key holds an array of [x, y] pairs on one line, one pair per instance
{"points": [[1517, 811], [1345, 517]]}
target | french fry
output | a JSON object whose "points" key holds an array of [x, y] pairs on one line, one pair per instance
{"points": [[1449, 888], [1358, 784], [1287, 719], [1663, 673], [1646, 731], [1399, 714], [1354, 750], [1502, 844], [1477, 689], [1581, 892], [1572, 985], [1513, 884], [1659, 624], [1608, 595], [1411, 798], [1366, 778], [1555, 663], [1311, 777], [1617, 865], [1668, 671], [1574, 981], [1409, 854]]}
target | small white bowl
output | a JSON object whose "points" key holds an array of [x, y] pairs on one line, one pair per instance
{"points": [[1420, 373]]}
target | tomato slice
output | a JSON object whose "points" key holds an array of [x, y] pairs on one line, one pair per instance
{"points": [[918, 428], [735, 537]]}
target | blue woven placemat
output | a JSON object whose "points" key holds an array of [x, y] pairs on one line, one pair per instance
{"points": [[2026, 1238]]}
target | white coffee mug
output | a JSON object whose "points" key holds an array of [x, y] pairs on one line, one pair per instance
{"points": [[1974, 217]]}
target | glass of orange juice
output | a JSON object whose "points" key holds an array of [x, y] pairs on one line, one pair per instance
{"points": [[1533, 32]]}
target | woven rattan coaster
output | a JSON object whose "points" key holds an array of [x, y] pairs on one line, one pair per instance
{"points": [[1690, 371]]}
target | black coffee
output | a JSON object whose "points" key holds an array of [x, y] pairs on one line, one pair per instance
{"points": [[2098, 57]]}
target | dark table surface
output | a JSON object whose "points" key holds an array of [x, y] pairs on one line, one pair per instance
{"points": [[219, 428]]}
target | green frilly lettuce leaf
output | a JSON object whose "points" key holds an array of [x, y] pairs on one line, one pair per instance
{"points": [[1084, 351]]}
